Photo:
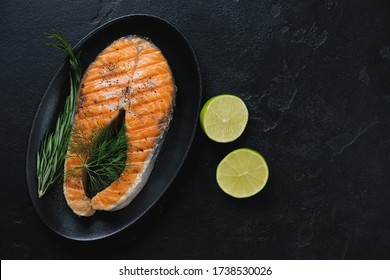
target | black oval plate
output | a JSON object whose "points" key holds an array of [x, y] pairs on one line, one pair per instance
{"points": [[52, 208]]}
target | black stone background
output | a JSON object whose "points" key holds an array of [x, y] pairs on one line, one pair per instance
{"points": [[315, 77]]}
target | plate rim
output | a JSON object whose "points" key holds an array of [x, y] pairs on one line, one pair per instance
{"points": [[44, 96]]}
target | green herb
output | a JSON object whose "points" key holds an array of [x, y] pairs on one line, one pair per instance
{"points": [[103, 156], [51, 156]]}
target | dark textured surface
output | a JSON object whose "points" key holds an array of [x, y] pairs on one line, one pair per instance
{"points": [[316, 78]]}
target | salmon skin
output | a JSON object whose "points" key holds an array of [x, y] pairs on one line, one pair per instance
{"points": [[132, 76]]}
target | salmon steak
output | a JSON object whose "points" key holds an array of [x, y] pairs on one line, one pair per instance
{"points": [[131, 77]]}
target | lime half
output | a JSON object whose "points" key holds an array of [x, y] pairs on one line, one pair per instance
{"points": [[242, 173], [224, 118]]}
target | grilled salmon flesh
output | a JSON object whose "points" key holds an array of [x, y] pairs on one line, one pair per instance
{"points": [[130, 76]]}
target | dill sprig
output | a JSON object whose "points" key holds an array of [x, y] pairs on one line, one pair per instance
{"points": [[51, 156], [103, 155]]}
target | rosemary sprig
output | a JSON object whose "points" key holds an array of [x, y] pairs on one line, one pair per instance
{"points": [[103, 156], [51, 156]]}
